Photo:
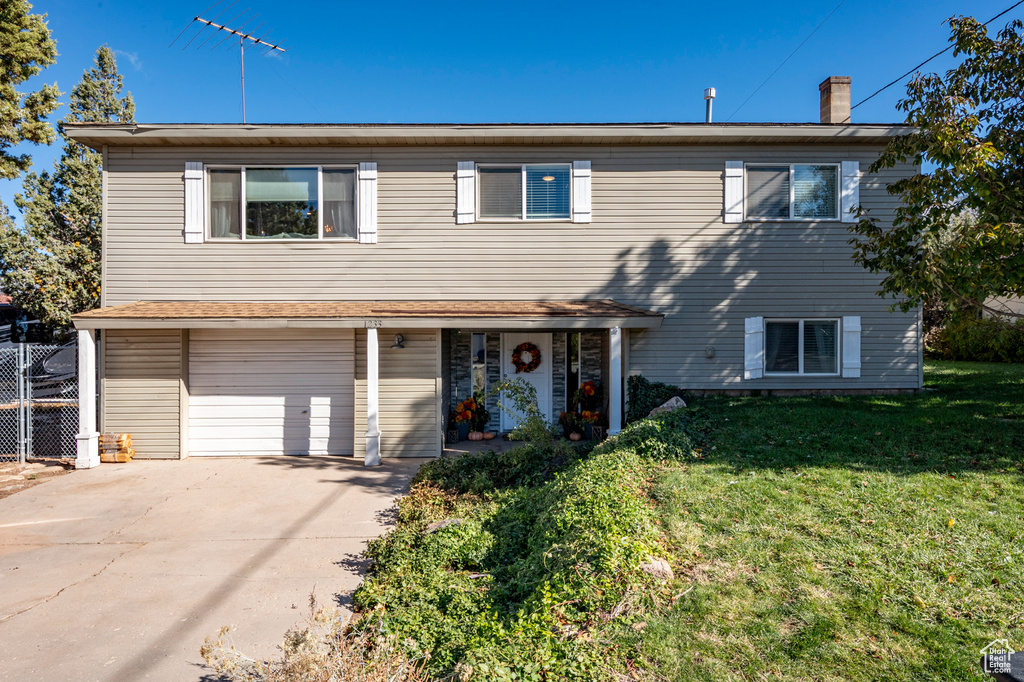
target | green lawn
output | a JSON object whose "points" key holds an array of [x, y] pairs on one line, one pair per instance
{"points": [[849, 538]]}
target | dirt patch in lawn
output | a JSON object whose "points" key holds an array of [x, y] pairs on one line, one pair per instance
{"points": [[15, 477]]}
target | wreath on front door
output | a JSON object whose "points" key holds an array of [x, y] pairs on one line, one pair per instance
{"points": [[517, 357]]}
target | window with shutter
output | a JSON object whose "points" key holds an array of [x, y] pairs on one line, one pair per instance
{"points": [[793, 192], [801, 347], [278, 203], [531, 191]]}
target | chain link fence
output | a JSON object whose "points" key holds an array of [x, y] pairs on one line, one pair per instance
{"points": [[38, 402]]}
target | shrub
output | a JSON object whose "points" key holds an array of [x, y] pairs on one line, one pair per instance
{"points": [[645, 395], [678, 434], [981, 340], [542, 565], [518, 398], [526, 465]]}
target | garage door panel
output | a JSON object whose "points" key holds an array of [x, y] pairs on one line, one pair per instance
{"points": [[207, 372], [271, 392], [241, 416]]}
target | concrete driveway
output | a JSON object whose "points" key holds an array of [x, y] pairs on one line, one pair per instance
{"points": [[120, 572]]}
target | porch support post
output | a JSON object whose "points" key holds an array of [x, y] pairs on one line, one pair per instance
{"points": [[372, 400], [615, 381], [88, 450]]}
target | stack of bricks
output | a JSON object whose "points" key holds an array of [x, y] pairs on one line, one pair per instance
{"points": [[116, 447]]}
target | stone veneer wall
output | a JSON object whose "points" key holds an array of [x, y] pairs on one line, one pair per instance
{"points": [[492, 346], [558, 388], [590, 357]]}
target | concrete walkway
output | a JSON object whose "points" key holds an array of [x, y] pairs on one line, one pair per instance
{"points": [[120, 572]]}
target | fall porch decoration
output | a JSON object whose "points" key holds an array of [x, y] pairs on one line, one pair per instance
{"points": [[517, 357]]}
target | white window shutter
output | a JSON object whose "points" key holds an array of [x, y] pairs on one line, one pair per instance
{"points": [[465, 192], [368, 202], [851, 191], [851, 346], [581, 208], [195, 204], [753, 348], [733, 212]]}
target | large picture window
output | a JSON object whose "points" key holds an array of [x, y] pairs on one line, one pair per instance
{"points": [[801, 346], [525, 192], [275, 203], [792, 192]]}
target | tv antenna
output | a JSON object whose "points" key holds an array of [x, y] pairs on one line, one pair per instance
{"points": [[246, 33]]}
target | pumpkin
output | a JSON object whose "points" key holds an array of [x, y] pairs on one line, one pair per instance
{"points": [[572, 436], [488, 435], [475, 435]]}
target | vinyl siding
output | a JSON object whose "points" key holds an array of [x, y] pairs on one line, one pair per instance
{"points": [[141, 389], [657, 240], [410, 393]]}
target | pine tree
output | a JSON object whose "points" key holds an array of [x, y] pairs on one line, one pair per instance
{"points": [[26, 48], [51, 268]]}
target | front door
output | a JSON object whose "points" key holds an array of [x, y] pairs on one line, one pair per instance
{"points": [[540, 377]]}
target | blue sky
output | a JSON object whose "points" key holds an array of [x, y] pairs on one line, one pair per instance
{"points": [[505, 62]]}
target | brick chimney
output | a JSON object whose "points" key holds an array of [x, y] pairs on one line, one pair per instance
{"points": [[835, 99]]}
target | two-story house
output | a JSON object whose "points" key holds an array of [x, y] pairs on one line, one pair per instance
{"points": [[337, 289]]}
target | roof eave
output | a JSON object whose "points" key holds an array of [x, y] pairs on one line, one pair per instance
{"points": [[441, 322], [97, 135]]}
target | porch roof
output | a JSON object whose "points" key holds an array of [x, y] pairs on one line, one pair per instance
{"points": [[596, 314]]}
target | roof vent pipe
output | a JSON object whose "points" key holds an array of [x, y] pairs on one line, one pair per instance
{"points": [[709, 97]]}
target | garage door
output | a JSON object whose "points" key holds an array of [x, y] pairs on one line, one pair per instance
{"points": [[270, 392]]}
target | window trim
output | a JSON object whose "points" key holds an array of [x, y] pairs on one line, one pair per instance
{"points": [[320, 168], [800, 347], [792, 193], [522, 170]]}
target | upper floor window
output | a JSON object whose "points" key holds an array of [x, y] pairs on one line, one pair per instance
{"points": [[525, 192], [792, 192], [264, 203]]}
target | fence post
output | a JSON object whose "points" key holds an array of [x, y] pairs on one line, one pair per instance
{"points": [[21, 367], [88, 438]]}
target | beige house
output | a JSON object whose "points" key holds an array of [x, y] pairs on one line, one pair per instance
{"points": [[338, 289]]}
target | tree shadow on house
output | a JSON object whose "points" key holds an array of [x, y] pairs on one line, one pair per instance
{"points": [[707, 284]]}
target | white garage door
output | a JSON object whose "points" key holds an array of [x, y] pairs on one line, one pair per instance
{"points": [[270, 392]]}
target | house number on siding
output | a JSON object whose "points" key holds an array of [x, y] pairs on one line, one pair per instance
{"points": [[373, 324]]}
